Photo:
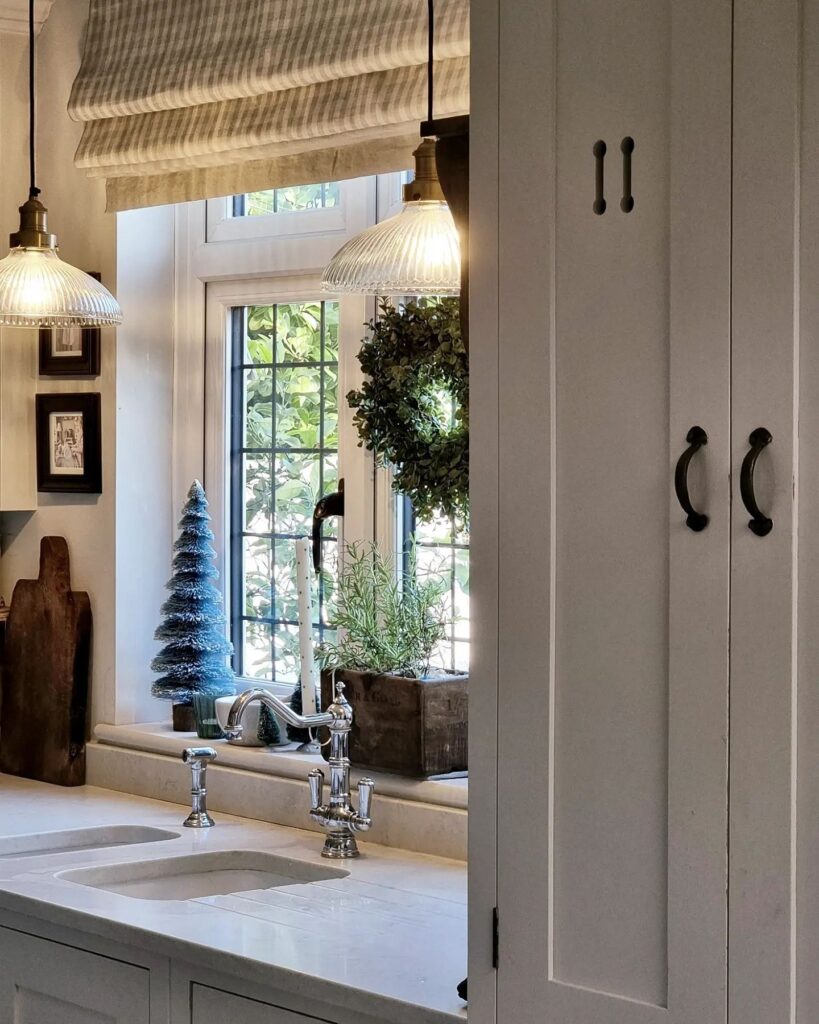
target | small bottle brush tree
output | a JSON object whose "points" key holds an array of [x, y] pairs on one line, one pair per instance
{"points": [[193, 658]]}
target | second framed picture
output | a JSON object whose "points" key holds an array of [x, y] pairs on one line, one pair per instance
{"points": [[69, 443], [69, 351]]}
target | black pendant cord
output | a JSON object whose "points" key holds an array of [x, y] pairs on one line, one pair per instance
{"points": [[430, 56], [33, 190]]}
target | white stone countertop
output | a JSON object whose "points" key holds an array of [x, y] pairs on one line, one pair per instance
{"points": [[388, 940]]}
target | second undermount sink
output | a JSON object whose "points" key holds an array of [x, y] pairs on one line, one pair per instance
{"points": [[201, 874], [100, 837]]}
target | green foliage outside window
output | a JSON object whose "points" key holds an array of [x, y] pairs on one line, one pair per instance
{"points": [[290, 443], [294, 199], [441, 548]]}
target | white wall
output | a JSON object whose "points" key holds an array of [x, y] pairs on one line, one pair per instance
{"points": [[135, 381], [144, 506]]}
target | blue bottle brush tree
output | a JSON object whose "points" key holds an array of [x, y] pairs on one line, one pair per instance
{"points": [[194, 653]]}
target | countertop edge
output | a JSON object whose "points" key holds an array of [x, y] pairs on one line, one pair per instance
{"points": [[203, 955]]}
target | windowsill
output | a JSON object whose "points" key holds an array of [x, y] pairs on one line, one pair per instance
{"points": [[284, 762]]}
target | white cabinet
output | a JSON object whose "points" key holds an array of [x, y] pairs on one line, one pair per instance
{"points": [[644, 676], [212, 1006], [43, 982], [53, 981]]}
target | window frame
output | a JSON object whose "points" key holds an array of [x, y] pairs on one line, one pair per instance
{"points": [[406, 526], [299, 226], [356, 466], [237, 543]]}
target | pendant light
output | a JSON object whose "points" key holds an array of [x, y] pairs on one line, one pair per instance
{"points": [[417, 251], [37, 288]]}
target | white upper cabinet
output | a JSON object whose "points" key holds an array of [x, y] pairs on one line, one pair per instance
{"points": [[637, 700], [613, 676], [639, 664]]}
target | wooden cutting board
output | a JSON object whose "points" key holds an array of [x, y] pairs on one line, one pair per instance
{"points": [[45, 674]]}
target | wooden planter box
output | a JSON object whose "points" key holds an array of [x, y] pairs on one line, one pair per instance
{"points": [[415, 727]]}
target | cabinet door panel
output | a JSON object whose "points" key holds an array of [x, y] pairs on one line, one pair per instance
{"points": [[611, 563], [44, 982], [807, 750], [765, 570], [212, 1006], [613, 623]]}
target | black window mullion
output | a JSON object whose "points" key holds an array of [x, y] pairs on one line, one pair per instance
{"points": [[237, 509], [408, 524], [281, 450], [274, 399], [284, 536], [290, 364], [322, 455]]}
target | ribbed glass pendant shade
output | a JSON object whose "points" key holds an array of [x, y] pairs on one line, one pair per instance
{"points": [[416, 252], [38, 289]]}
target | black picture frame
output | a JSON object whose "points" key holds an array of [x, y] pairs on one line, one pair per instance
{"points": [[82, 357], [69, 443]]}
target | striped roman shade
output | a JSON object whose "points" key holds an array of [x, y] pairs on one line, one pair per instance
{"points": [[189, 99]]}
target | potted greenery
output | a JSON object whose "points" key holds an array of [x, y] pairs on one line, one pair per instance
{"points": [[409, 718]]}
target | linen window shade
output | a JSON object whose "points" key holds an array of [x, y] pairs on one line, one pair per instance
{"points": [[205, 98]]}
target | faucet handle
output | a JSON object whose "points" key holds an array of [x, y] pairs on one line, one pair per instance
{"points": [[316, 780], [365, 799], [198, 755]]}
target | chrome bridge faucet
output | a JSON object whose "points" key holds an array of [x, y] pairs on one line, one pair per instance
{"points": [[338, 816]]}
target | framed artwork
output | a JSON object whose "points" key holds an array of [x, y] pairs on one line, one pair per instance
{"points": [[69, 443], [70, 351]]}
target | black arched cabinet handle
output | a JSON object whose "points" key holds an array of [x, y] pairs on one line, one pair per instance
{"points": [[326, 507], [759, 523], [696, 438]]}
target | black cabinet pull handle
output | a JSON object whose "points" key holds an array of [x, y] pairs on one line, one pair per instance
{"points": [[759, 523], [627, 148], [696, 438], [599, 152]]}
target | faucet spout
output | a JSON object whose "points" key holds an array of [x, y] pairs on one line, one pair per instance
{"points": [[277, 706]]}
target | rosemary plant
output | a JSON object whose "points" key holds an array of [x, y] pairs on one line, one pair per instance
{"points": [[385, 623]]}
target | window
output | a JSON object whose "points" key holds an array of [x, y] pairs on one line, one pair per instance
{"points": [[284, 458], [287, 200], [441, 548]]}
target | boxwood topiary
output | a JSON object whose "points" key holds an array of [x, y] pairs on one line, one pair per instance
{"points": [[413, 408]]}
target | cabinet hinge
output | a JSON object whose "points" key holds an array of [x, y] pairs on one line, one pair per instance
{"points": [[495, 930]]}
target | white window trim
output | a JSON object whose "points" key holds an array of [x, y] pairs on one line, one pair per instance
{"points": [[281, 243], [222, 226]]}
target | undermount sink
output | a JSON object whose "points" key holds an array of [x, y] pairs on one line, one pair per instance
{"points": [[100, 837], [201, 874]]}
